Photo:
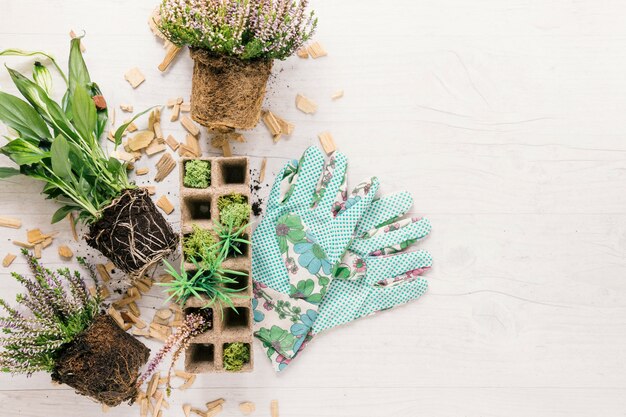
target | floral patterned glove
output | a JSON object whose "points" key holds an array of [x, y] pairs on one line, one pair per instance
{"points": [[296, 247]]}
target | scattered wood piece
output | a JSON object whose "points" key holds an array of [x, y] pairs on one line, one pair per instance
{"points": [[262, 171], [46, 242], [158, 395], [153, 384], [164, 313], [184, 150], [172, 142], [136, 320], [132, 306], [186, 410], [185, 108], [171, 102], [105, 408], [128, 108], [305, 104], [188, 383], [316, 50], [170, 54], [327, 141], [65, 252], [286, 128], [193, 144], [158, 132], [115, 315], [183, 374], [271, 123], [143, 411], [155, 147], [142, 171], [212, 404], [164, 204], [122, 155], [134, 77], [164, 166], [110, 267], [104, 274], [34, 236], [151, 189], [141, 140], [337, 94], [70, 217], [247, 407], [82, 45], [8, 260], [131, 127], [10, 222], [189, 125], [274, 408], [302, 53], [24, 245], [175, 112], [112, 114], [37, 251], [214, 411], [226, 149]]}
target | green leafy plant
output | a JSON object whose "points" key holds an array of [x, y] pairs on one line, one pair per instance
{"points": [[209, 281], [197, 243], [236, 355], [57, 143], [58, 313], [246, 29], [234, 210], [197, 174], [232, 239]]}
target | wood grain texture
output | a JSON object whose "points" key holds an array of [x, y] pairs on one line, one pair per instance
{"points": [[504, 118]]}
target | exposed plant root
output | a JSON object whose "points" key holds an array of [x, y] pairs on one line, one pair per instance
{"points": [[132, 233]]}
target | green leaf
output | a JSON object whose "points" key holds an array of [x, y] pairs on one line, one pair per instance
{"points": [[84, 113], [60, 155], [79, 75], [120, 130], [42, 77], [6, 172], [103, 115], [62, 213], [23, 152], [20, 116], [19, 52]]}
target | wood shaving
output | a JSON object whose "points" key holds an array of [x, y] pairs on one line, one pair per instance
{"points": [[10, 222], [8, 260], [134, 77], [190, 126], [164, 204], [337, 95], [305, 104], [170, 54], [142, 171], [164, 167], [316, 50], [262, 172], [274, 408], [65, 252], [172, 142], [126, 107], [327, 141], [247, 407], [302, 53], [70, 217]]}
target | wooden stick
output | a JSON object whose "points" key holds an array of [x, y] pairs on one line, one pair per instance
{"points": [[10, 222], [172, 51]]}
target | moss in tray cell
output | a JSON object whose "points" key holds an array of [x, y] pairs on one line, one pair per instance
{"points": [[197, 174]]}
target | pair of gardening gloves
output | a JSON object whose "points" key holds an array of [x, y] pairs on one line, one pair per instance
{"points": [[322, 257]]}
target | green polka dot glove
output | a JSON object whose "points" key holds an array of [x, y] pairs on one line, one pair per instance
{"points": [[299, 242]]}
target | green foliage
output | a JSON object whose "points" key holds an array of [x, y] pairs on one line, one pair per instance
{"points": [[232, 239], [197, 174], [210, 280], [198, 243], [58, 143], [234, 210], [58, 313], [236, 355]]}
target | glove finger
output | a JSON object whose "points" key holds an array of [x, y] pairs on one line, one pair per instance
{"points": [[332, 183], [393, 236], [384, 211], [385, 298], [358, 201], [277, 188], [309, 173], [404, 265]]}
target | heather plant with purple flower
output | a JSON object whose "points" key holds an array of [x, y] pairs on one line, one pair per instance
{"points": [[60, 308], [245, 29]]}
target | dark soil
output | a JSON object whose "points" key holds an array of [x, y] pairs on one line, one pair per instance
{"points": [[227, 92], [102, 363], [132, 233]]}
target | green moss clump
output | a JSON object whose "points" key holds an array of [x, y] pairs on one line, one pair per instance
{"points": [[197, 174], [236, 355], [197, 243], [234, 210]]}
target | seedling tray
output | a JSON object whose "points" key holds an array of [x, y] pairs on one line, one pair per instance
{"points": [[205, 354]]}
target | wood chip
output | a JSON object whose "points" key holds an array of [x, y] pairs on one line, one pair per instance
{"points": [[115, 315], [302, 53], [164, 313], [105, 408], [172, 142], [158, 395], [171, 102], [155, 147], [186, 410], [144, 407], [262, 172], [153, 384], [34, 236], [316, 50], [188, 383], [72, 221], [37, 251], [184, 150], [136, 320], [183, 374], [10, 222], [158, 132], [140, 140], [185, 108], [189, 125], [24, 245], [193, 144], [134, 77], [214, 411], [131, 127], [327, 141], [175, 113], [271, 123], [164, 204], [132, 306], [82, 45], [122, 155], [8, 260], [47, 242], [142, 171], [212, 404], [127, 108], [305, 105], [172, 51], [247, 407], [337, 94], [274, 408], [102, 271], [65, 252], [226, 149], [286, 128], [165, 165], [151, 189]]}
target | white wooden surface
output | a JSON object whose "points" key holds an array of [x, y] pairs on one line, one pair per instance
{"points": [[505, 118]]}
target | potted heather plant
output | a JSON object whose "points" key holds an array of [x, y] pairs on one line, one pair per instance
{"points": [[58, 144], [65, 334], [233, 44]]}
